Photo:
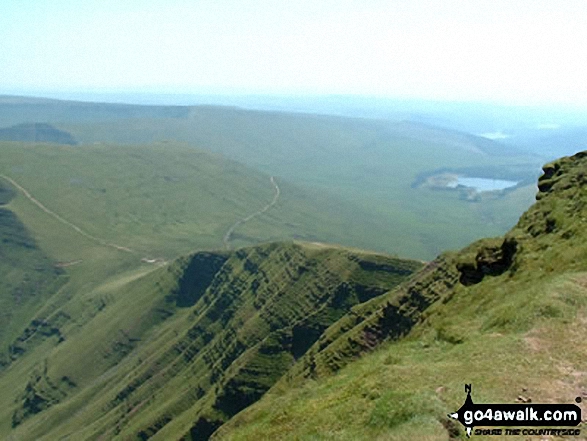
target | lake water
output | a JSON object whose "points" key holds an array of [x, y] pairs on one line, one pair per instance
{"points": [[482, 184]]}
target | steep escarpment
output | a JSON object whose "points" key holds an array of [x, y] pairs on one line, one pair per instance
{"points": [[505, 314], [184, 348], [261, 312], [544, 240], [388, 317]]}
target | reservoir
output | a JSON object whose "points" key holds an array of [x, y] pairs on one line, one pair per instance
{"points": [[482, 184]]}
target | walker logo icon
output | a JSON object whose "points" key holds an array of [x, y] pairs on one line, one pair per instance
{"points": [[471, 415]]}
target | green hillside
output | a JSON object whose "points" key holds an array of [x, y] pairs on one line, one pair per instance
{"points": [[372, 164], [28, 276], [179, 350], [506, 314], [84, 222], [372, 167], [17, 110], [85, 227], [164, 200], [109, 335]]}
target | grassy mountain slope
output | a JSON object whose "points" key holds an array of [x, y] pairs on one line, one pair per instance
{"points": [[178, 350], [371, 165], [164, 200], [27, 274], [85, 228], [506, 314]]}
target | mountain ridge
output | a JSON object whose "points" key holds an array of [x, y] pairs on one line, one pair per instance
{"points": [[229, 323], [519, 299]]}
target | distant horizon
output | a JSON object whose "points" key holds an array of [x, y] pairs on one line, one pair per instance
{"points": [[523, 53], [91, 94]]}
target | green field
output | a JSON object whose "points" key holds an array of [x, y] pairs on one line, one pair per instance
{"points": [[368, 163]]}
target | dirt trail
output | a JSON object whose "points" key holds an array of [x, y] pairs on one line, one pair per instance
{"points": [[103, 242], [64, 221], [242, 221]]}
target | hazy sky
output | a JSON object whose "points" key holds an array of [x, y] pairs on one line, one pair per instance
{"points": [[513, 51]]}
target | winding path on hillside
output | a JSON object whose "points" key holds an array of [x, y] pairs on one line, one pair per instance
{"points": [[225, 240], [64, 221], [244, 220]]}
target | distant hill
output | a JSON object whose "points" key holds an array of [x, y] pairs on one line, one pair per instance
{"points": [[367, 164], [36, 132], [168, 199], [18, 110], [553, 142]]}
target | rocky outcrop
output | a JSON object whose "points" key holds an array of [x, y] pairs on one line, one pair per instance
{"points": [[490, 260]]}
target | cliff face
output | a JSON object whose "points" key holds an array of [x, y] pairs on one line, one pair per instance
{"points": [[505, 313], [388, 317], [545, 239], [202, 339], [261, 310], [555, 226]]}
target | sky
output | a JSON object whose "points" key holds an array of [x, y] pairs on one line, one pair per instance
{"points": [[499, 51]]}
